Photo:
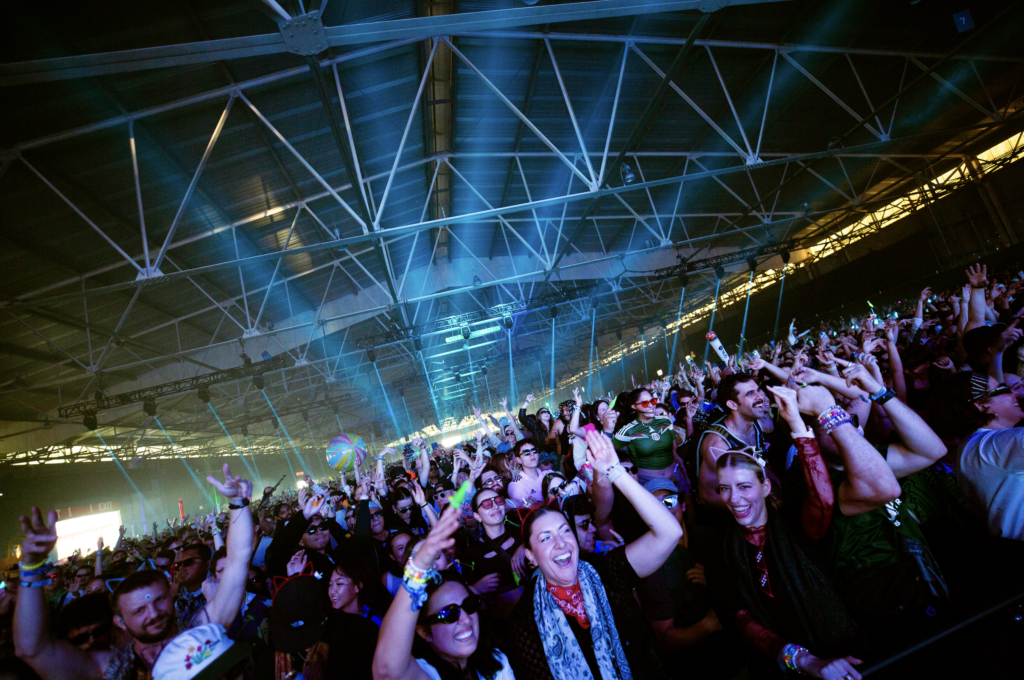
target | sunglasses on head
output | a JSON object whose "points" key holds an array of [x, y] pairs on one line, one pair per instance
{"points": [[316, 527], [999, 390], [489, 503], [450, 613], [671, 501], [650, 403]]}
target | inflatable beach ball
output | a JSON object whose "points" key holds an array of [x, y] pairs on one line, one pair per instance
{"points": [[344, 452]]}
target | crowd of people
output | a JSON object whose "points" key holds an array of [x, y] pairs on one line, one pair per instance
{"points": [[809, 507]]}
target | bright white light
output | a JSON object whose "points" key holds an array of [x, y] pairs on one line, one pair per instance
{"points": [[451, 441], [300, 484], [83, 532], [659, 372], [473, 334]]}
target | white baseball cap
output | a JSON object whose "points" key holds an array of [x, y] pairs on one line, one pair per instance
{"points": [[201, 653]]}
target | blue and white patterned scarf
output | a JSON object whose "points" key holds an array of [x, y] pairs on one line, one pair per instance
{"points": [[565, 658]]}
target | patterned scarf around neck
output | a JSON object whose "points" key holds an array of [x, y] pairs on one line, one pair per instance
{"points": [[565, 658]]}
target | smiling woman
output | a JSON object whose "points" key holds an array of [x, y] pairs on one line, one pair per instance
{"points": [[444, 613], [575, 616]]}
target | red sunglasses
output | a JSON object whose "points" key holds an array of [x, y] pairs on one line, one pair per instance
{"points": [[647, 404]]}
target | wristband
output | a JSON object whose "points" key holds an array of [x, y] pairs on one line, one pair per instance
{"points": [[415, 582], [614, 472], [879, 394], [29, 567], [833, 417], [884, 396], [37, 570], [787, 658], [244, 503], [36, 584]]}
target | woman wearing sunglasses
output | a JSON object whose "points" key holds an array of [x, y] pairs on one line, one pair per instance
{"points": [[539, 426], [444, 613], [497, 556], [649, 438], [576, 617]]}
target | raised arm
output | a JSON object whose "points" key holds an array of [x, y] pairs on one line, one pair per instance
{"points": [[574, 421], [1007, 338], [869, 481], [647, 553], [511, 420], [393, 658], [919, 446], [98, 567], [977, 309], [420, 499], [51, 659], [899, 381], [226, 603], [816, 512]]}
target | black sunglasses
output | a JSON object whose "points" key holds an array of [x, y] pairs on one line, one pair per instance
{"points": [[402, 511], [96, 633], [187, 562], [1000, 390], [377, 514], [584, 525], [450, 613], [317, 527]]}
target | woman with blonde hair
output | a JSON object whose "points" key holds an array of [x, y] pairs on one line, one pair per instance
{"points": [[783, 599]]}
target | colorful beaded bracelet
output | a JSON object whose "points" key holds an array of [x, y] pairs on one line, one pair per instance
{"points": [[787, 658], [415, 582], [833, 417]]}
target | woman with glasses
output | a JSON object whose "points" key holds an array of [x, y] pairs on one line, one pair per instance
{"points": [[576, 617], [526, 490], [442, 612], [496, 557], [649, 438], [539, 426]]}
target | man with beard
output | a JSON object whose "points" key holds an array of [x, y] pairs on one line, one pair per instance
{"points": [[143, 605], [745, 424]]}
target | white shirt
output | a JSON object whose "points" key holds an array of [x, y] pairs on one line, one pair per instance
{"points": [[991, 474], [504, 674]]}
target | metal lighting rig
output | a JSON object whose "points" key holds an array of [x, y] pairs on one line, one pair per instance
{"points": [[248, 369]]}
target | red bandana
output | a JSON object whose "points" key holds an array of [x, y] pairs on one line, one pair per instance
{"points": [[571, 602]]}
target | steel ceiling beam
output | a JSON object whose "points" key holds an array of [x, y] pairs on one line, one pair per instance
{"points": [[420, 28], [636, 137], [481, 215]]}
